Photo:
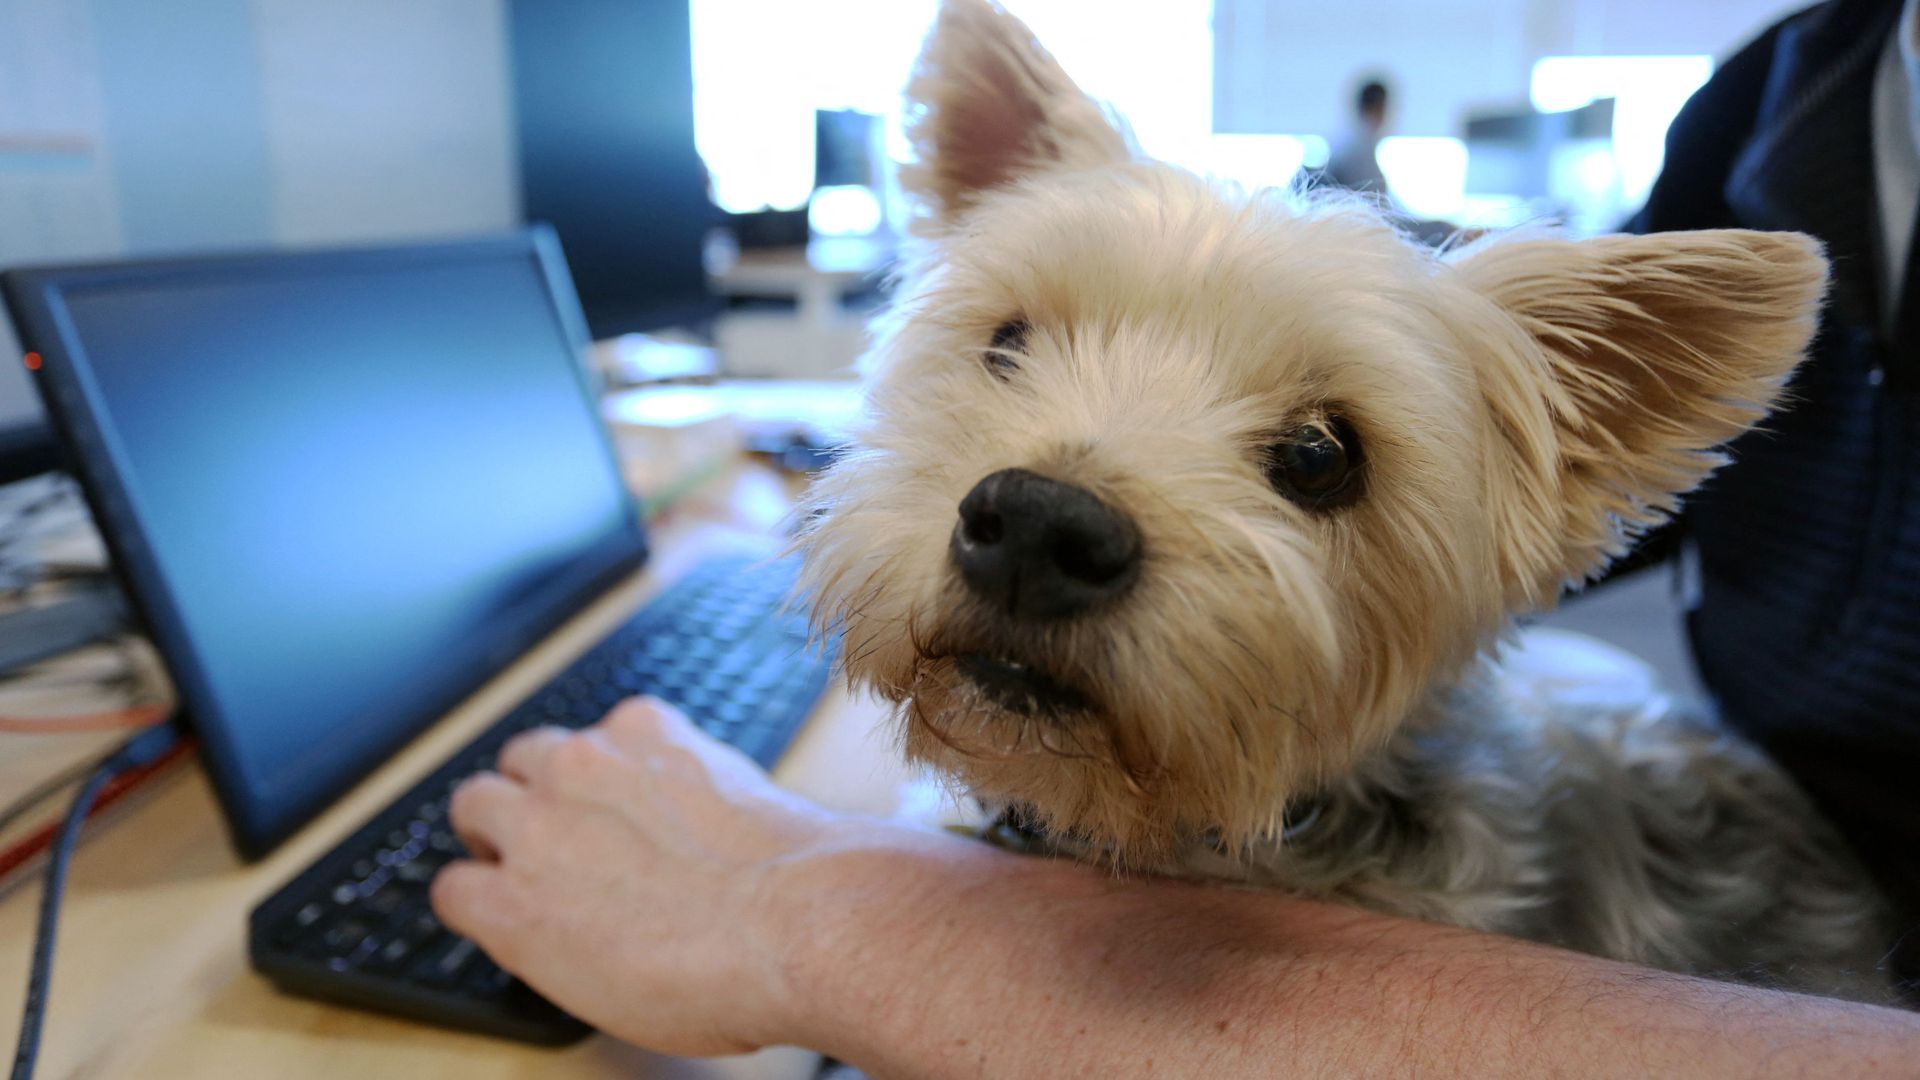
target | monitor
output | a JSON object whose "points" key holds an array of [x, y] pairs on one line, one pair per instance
{"points": [[846, 146], [344, 488], [603, 107]]}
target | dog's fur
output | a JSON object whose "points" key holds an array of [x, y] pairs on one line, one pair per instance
{"points": [[1527, 406]]}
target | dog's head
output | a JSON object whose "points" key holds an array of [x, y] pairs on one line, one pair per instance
{"points": [[1174, 500]]}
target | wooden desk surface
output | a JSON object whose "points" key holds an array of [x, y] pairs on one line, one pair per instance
{"points": [[151, 977]]}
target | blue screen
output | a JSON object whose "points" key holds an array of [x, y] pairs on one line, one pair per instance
{"points": [[361, 487]]}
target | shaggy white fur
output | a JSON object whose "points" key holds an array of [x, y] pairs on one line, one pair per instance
{"points": [[1520, 409]]}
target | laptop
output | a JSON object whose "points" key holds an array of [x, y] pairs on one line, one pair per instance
{"points": [[344, 489]]}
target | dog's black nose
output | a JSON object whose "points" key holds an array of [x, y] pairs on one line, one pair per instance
{"points": [[1042, 549]]}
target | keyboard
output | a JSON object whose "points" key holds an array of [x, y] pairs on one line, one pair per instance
{"points": [[356, 927]]}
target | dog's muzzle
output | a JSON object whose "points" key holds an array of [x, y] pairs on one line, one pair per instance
{"points": [[1019, 687], [1035, 548]]}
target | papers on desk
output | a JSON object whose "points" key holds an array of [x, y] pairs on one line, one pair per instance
{"points": [[638, 359], [45, 529], [670, 440]]}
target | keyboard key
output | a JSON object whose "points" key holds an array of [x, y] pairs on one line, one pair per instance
{"points": [[343, 937], [363, 951], [419, 926], [391, 956], [388, 899], [443, 965]]}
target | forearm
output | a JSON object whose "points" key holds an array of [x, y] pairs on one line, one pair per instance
{"points": [[931, 957]]}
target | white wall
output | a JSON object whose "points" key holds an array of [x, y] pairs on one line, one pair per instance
{"points": [[386, 121], [1652, 27], [761, 67], [131, 127], [1288, 66], [57, 196]]}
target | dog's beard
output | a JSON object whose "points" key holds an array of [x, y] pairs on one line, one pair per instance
{"points": [[1074, 723], [982, 699], [1069, 766]]}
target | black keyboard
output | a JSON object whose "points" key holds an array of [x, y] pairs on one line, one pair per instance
{"points": [[356, 926]]}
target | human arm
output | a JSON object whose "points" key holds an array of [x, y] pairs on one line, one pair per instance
{"points": [[659, 886]]}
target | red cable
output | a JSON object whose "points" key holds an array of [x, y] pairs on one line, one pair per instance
{"points": [[137, 717]]}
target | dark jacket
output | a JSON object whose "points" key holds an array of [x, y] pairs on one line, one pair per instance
{"points": [[1807, 629]]}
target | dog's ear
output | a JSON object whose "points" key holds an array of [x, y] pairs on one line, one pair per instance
{"points": [[987, 105], [1652, 351]]}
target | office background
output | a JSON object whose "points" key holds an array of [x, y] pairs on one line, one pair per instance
{"points": [[717, 169], [130, 128]]}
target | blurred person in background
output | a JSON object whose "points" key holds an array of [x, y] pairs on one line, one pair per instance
{"points": [[1354, 163]]}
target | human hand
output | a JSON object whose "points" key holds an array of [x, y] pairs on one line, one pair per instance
{"points": [[628, 872]]}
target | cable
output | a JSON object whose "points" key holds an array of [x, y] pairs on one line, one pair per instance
{"points": [[141, 750], [138, 716]]}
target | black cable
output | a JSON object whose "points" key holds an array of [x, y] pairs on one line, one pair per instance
{"points": [[142, 749]]}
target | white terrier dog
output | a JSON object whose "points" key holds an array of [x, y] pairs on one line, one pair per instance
{"points": [[1186, 520]]}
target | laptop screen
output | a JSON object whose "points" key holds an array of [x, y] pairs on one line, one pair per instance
{"points": [[347, 487]]}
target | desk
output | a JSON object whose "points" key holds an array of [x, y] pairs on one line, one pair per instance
{"points": [[151, 978]]}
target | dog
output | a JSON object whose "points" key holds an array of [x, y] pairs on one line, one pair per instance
{"points": [[1186, 523]]}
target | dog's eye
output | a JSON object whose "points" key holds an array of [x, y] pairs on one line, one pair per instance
{"points": [[1009, 341], [1317, 465]]}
